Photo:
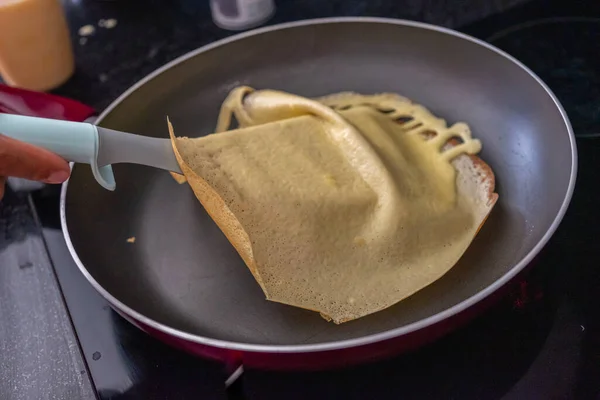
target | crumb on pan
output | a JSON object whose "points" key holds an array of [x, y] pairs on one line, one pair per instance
{"points": [[131, 239]]}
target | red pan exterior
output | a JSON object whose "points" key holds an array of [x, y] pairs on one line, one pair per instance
{"points": [[333, 358]]}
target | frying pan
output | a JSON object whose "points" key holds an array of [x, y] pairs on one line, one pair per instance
{"points": [[183, 282]]}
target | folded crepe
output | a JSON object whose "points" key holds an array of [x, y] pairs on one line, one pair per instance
{"points": [[345, 204]]}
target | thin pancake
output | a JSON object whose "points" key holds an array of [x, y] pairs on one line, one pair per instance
{"points": [[334, 205]]}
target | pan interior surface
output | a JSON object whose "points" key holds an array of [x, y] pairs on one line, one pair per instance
{"points": [[182, 272]]}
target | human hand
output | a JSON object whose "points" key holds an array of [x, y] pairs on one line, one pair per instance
{"points": [[23, 160]]}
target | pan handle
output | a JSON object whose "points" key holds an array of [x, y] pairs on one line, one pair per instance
{"points": [[35, 104], [73, 141]]}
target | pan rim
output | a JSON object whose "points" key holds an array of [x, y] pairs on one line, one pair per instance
{"points": [[346, 343]]}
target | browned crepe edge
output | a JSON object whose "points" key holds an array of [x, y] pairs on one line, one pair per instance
{"points": [[219, 212]]}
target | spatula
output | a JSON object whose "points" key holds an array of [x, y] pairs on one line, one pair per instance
{"points": [[90, 144]]}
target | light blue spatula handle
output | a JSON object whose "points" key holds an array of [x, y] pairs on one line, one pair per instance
{"points": [[73, 141]]}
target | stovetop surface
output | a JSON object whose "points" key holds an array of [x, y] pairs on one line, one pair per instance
{"points": [[540, 342]]}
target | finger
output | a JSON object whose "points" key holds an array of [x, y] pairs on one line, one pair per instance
{"points": [[23, 160], [2, 183]]}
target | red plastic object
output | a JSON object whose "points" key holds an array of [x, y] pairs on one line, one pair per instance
{"points": [[36, 104]]}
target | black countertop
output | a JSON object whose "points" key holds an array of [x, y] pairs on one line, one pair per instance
{"points": [[39, 353], [42, 356], [150, 33]]}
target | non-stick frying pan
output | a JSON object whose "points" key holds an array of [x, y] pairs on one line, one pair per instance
{"points": [[183, 282]]}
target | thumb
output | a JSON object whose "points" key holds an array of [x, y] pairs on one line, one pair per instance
{"points": [[23, 160]]}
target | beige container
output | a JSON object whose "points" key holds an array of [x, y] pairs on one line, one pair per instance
{"points": [[35, 48]]}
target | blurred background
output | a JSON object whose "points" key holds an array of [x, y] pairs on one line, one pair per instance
{"points": [[142, 35]]}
